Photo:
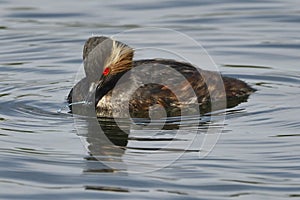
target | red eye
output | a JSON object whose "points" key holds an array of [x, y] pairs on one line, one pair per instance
{"points": [[106, 71]]}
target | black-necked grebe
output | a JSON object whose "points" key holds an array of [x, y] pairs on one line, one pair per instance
{"points": [[106, 61]]}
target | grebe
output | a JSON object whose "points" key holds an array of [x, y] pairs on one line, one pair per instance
{"points": [[107, 60]]}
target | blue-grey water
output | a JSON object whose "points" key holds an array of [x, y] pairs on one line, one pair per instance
{"points": [[45, 154]]}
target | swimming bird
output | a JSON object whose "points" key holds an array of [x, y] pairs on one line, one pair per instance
{"points": [[116, 83]]}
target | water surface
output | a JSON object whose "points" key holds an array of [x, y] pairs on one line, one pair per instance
{"points": [[45, 154]]}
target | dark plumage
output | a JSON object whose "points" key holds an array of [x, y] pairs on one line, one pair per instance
{"points": [[111, 71]]}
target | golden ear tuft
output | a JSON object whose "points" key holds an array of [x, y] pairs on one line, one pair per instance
{"points": [[120, 58]]}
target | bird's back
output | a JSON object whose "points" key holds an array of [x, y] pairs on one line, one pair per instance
{"points": [[172, 85]]}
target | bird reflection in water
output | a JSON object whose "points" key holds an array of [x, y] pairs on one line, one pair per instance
{"points": [[108, 63]]}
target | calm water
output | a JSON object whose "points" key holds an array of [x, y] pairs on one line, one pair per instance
{"points": [[45, 154]]}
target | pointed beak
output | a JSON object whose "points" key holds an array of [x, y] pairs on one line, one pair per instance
{"points": [[90, 93]]}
